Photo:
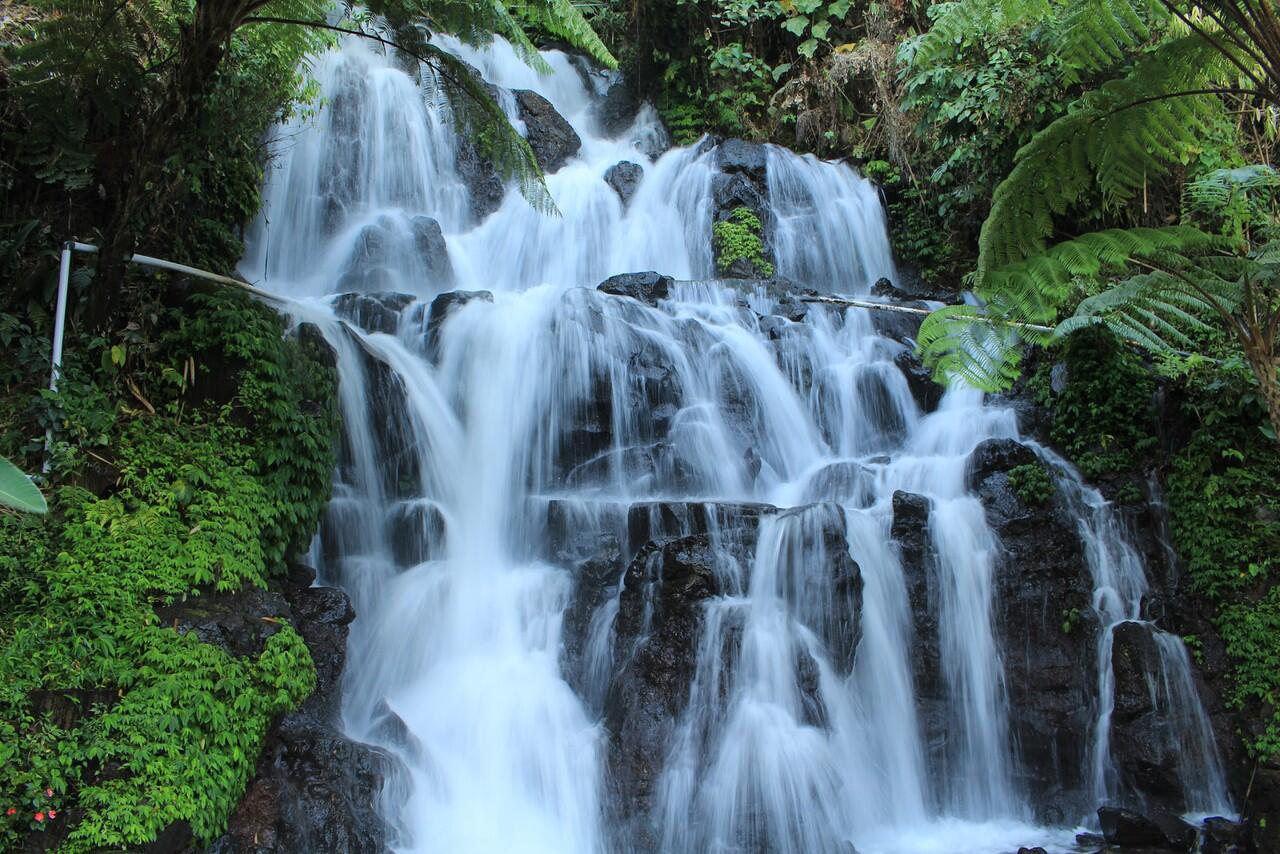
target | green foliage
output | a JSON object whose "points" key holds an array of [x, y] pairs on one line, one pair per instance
{"points": [[1102, 417], [1225, 519], [130, 724], [17, 491], [1031, 483], [738, 238]]}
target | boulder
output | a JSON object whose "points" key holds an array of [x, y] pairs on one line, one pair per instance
{"points": [[441, 307], [911, 287], [1046, 630], [1159, 831], [373, 312], [1145, 756], [924, 389], [656, 635], [995, 455], [432, 251], [624, 177], [551, 137], [739, 157], [484, 188], [313, 788], [1224, 836], [616, 112], [648, 287], [910, 532]]}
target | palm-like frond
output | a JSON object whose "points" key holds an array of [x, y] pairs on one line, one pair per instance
{"points": [[561, 18], [1116, 138], [970, 344]]}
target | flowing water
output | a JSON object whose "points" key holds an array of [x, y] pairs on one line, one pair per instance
{"points": [[492, 455]]}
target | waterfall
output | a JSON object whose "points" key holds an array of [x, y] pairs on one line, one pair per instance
{"points": [[625, 569]]}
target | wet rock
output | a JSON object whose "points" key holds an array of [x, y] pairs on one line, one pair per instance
{"points": [[313, 789], [238, 622], [616, 112], [551, 137], [1223, 836], [656, 637], [443, 306], [417, 532], [484, 188], [911, 287], [910, 531], [396, 450], [995, 455], [846, 483], [648, 287], [899, 326], [1036, 850], [1144, 755], [624, 177], [730, 192], [372, 312], [1159, 831], [926, 392], [739, 157], [432, 251], [1046, 630], [313, 339]]}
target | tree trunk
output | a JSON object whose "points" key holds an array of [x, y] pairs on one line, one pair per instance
{"points": [[1266, 367]]}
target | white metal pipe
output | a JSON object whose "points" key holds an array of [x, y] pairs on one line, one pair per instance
{"points": [[60, 313]]}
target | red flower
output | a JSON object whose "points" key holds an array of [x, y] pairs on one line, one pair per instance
{"points": [[48, 793], [53, 814], [39, 816], [11, 811]]}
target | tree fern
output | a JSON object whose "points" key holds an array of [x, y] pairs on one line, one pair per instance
{"points": [[1115, 140]]}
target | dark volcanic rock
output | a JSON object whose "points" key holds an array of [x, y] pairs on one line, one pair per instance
{"points": [[995, 455], [1145, 755], [372, 312], [648, 287], [485, 189], [314, 789], [739, 157], [432, 251], [656, 642], [624, 177], [616, 112], [911, 287], [443, 306], [1158, 831], [927, 393], [910, 531], [1223, 836], [552, 139], [1046, 629]]}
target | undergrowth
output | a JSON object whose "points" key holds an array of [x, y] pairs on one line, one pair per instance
{"points": [[112, 725]]}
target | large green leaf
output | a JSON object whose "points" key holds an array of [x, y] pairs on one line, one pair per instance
{"points": [[17, 490]]}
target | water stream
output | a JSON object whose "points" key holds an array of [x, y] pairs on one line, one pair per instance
{"points": [[483, 449]]}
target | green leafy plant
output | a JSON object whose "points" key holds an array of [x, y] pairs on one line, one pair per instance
{"points": [[17, 491], [738, 238], [1031, 483]]}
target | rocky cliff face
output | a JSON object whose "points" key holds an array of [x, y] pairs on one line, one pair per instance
{"points": [[314, 789]]}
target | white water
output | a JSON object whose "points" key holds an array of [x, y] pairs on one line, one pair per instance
{"points": [[454, 461]]}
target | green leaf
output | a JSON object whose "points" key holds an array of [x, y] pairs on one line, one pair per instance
{"points": [[820, 29], [839, 8], [808, 48], [797, 25], [17, 490], [780, 70]]}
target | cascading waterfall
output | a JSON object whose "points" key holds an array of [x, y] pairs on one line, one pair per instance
{"points": [[543, 487]]}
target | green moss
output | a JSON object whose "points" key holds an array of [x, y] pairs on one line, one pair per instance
{"points": [[739, 238], [151, 726], [1032, 483]]}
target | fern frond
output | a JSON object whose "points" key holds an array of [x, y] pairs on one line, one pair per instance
{"points": [[1116, 138], [561, 18], [971, 344], [1096, 34]]}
